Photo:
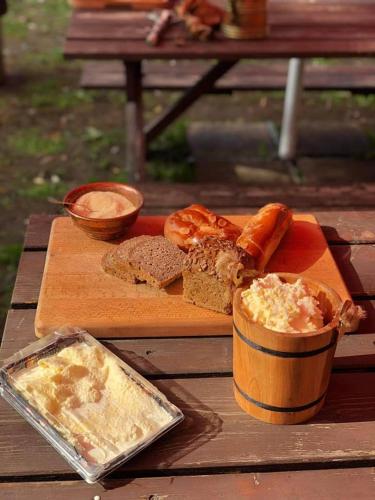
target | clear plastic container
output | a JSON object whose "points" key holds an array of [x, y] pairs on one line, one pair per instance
{"points": [[148, 415]]}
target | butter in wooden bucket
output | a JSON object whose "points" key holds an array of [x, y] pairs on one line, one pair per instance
{"points": [[282, 365]]}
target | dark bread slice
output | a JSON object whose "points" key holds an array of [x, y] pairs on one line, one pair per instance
{"points": [[212, 271], [205, 290], [150, 259]]}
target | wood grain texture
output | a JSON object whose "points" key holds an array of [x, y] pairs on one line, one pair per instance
{"points": [[337, 484], [110, 75], [29, 277], [338, 226], [356, 263], [275, 47], [217, 433], [166, 357], [303, 30], [268, 383], [75, 289]]}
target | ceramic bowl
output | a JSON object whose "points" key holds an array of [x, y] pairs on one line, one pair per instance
{"points": [[104, 229]]}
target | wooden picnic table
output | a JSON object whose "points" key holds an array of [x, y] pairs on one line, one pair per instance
{"points": [[296, 28], [218, 451]]}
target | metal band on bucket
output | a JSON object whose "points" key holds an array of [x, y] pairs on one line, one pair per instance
{"points": [[280, 409], [285, 354]]}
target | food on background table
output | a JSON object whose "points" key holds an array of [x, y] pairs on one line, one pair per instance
{"points": [[102, 205], [201, 17], [150, 259], [213, 269], [264, 231], [189, 226], [84, 393], [161, 23], [282, 307]]}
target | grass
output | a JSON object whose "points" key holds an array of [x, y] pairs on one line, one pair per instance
{"points": [[34, 142], [49, 94], [43, 191], [364, 101], [102, 145], [169, 157], [9, 256]]}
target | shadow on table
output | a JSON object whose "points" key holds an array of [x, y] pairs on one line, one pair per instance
{"points": [[350, 396], [201, 424], [350, 276], [295, 253]]}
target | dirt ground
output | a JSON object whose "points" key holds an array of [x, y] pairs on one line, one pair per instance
{"points": [[54, 135]]}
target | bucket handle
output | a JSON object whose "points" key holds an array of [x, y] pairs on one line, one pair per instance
{"points": [[350, 316]]}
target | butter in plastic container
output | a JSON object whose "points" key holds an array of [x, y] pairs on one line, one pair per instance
{"points": [[92, 407]]}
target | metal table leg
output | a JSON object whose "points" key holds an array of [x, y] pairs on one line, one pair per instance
{"points": [[288, 134]]}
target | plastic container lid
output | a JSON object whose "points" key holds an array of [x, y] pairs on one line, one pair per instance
{"points": [[92, 407]]}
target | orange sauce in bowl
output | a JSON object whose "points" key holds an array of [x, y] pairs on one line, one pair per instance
{"points": [[102, 205]]}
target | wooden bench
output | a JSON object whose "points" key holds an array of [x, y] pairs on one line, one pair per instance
{"points": [[179, 75], [297, 29]]}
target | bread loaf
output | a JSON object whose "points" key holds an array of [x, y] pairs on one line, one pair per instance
{"points": [[264, 231], [191, 225]]}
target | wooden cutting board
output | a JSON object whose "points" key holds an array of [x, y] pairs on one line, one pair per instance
{"points": [[76, 291]]}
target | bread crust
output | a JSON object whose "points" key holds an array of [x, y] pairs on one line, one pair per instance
{"points": [[264, 231], [191, 225]]}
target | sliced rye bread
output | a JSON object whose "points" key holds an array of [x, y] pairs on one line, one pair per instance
{"points": [[150, 259]]}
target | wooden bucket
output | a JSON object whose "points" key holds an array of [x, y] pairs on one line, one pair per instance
{"points": [[282, 378], [246, 19]]}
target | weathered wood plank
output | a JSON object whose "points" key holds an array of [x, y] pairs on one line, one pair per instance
{"points": [[217, 433], [338, 225], [29, 277], [334, 484], [272, 47], [37, 231], [110, 74], [282, 17], [354, 261], [356, 264], [161, 357], [351, 227], [224, 195]]}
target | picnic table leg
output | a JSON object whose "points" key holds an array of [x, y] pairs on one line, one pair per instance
{"points": [[288, 134], [202, 86], [135, 139]]}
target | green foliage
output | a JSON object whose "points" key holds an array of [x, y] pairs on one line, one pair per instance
{"points": [[14, 28], [364, 100], [169, 156], [263, 151], [9, 257], [99, 143], [50, 93], [336, 97], [43, 191], [171, 172], [371, 145], [32, 142]]}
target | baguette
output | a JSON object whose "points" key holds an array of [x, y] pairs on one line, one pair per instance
{"points": [[264, 231]]}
